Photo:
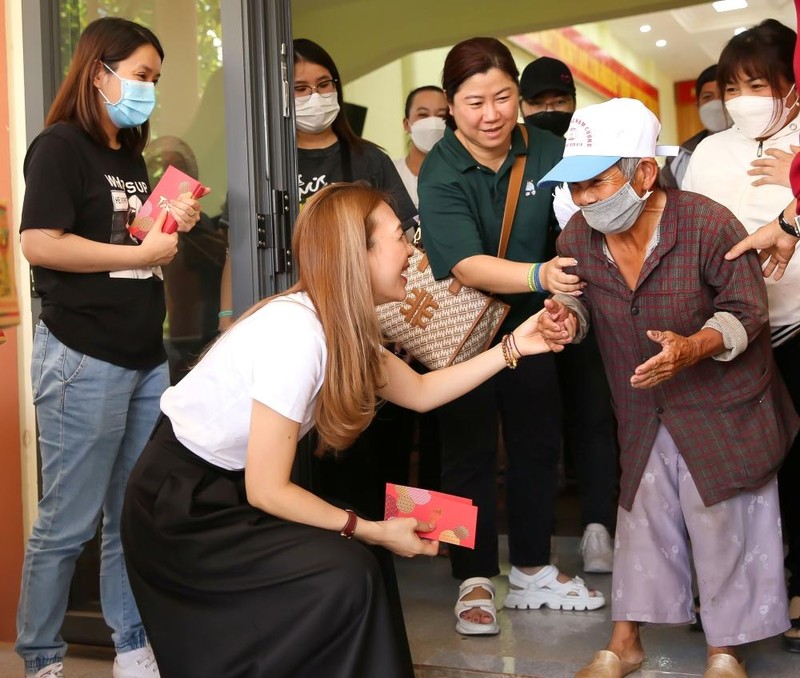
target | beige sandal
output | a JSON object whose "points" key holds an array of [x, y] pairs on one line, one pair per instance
{"points": [[606, 664], [724, 666]]}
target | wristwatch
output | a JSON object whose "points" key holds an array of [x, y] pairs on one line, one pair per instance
{"points": [[792, 228], [350, 526]]}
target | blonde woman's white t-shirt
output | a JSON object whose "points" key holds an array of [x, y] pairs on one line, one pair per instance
{"points": [[276, 356]]}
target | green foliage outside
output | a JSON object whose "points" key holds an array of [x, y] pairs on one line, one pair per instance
{"points": [[74, 15]]}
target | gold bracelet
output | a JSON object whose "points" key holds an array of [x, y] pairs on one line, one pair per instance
{"points": [[513, 344], [511, 352]]}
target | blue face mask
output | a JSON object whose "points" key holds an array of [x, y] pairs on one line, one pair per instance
{"points": [[136, 102]]}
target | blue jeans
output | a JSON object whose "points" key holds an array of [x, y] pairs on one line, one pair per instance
{"points": [[94, 420]]}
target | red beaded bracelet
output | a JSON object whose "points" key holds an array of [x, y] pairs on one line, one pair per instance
{"points": [[350, 526]]}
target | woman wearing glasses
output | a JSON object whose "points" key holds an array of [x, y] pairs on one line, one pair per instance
{"points": [[329, 151]]}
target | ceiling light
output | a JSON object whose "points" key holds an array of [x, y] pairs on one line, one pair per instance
{"points": [[645, 28], [728, 5], [741, 29], [661, 43]]}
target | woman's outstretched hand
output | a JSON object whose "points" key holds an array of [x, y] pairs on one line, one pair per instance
{"points": [[528, 338], [776, 248]]}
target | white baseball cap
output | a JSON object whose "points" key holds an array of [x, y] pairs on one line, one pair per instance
{"points": [[599, 135]]}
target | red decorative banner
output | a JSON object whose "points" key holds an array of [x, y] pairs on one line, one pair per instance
{"points": [[686, 92], [589, 64]]}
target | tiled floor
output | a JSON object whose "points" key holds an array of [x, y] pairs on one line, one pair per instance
{"points": [[539, 643], [547, 643]]}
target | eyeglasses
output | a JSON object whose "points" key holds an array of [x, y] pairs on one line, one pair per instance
{"points": [[552, 104], [326, 89]]}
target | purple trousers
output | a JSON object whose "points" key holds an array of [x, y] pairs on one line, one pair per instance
{"points": [[735, 546]]}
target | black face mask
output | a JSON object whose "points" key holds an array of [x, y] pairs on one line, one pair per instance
{"points": [[556, 122]]}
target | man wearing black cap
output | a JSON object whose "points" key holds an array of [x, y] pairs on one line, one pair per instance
{"points": [[548, 95], [714, 119], [548, 100]]}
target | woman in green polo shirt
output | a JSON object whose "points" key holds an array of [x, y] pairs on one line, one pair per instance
{"points": [[462, 190]]}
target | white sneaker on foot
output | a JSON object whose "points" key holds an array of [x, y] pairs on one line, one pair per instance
{"points": [[50, 671], [597, 549], [139, 663]]}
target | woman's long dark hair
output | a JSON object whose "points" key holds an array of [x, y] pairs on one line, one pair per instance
{"points": [[310, 51], [108, 40]]}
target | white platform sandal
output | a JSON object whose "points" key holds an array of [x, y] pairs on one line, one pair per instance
{"points": [[530, 592], [486, 605]]}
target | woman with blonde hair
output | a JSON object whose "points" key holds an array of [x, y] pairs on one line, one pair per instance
{"points": [[237, 570]]}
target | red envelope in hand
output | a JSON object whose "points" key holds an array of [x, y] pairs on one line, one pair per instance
{"points": [[173, 184], [454, 517]]}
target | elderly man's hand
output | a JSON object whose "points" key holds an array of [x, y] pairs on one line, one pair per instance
{"points": [[557, 325], [677, 352]]}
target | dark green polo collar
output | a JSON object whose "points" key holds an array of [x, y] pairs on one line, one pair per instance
{"points": [[459, 157]]}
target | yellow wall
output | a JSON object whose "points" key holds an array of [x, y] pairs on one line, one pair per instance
{"points": [[384, 89]]}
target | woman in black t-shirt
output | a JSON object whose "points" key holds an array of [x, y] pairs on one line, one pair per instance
{"points": [[99, 366], [328, 150]]}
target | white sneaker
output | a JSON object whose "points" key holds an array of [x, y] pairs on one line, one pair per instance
{"points": [[139, 663], [597, 549], [50, 671]]}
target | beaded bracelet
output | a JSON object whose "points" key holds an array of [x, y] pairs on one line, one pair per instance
{"points": [[531, 271], [225, 314], [508, 356]]}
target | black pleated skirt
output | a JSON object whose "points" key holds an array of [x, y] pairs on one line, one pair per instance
{"points": [[228, 591]]}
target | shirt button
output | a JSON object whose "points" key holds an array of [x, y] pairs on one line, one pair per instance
{"points": [[659, 410], [635, 310]]}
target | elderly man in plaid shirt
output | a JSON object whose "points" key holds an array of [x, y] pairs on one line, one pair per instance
{"points": [[704, 419]]}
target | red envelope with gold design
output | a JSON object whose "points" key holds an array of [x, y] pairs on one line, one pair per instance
{"points": [[454, 517], [172, 184]]}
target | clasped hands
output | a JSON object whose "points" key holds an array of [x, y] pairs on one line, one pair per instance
{"points": [[558, 326]]}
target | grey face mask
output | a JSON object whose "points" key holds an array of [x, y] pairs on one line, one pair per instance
{"points": [[617, 213]]}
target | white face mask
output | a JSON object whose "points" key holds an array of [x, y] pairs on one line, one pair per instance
{"points": [[426, 132], [753, 115], [713, 117], [615, 214], [317, 113]]}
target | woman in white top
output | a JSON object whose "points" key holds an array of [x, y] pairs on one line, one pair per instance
{"points": [[756, 78], [237, 570], [426, 110]]}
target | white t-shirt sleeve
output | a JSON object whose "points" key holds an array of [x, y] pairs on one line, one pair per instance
{"points": [[290, 365]]}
